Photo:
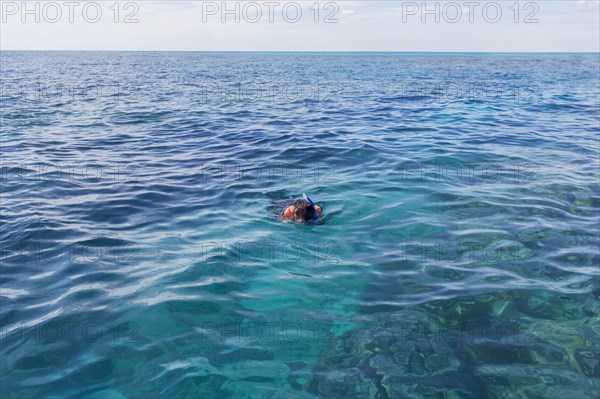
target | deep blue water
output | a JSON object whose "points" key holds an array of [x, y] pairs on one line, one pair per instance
{"points": [[457, 256]]}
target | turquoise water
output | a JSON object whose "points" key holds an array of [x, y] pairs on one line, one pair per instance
{"points": [[457, 258]]}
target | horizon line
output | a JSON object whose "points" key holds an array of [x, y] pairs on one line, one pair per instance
{"points": [[312, 51]]}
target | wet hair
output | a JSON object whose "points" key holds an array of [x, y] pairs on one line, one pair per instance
{"points": [[303, 211]]}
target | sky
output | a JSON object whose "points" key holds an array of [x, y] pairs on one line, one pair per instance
{"points": [[431, 26]]}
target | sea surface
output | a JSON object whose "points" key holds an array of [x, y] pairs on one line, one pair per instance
{"points": [[142, 257]]}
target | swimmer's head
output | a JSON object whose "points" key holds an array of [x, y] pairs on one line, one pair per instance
{"points": [[303, 211]]}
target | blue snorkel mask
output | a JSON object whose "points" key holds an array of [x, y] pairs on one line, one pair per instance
{"points": [[306, 197]]}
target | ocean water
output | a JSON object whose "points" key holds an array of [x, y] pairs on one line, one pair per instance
{"points": [[457, 256]]}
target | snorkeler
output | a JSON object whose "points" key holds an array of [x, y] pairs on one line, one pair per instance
{"points": [[302, 210]]}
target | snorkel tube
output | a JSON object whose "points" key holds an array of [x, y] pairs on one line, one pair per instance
{"points": [[306, 197]]}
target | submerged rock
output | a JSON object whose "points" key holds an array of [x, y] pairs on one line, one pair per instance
{"points": [[398, 357]]}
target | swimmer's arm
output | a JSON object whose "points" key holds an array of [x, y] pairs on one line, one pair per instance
{"points": [[319, 210]]}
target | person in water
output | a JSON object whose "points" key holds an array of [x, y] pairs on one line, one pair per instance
{"points": [[303, 210]]}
